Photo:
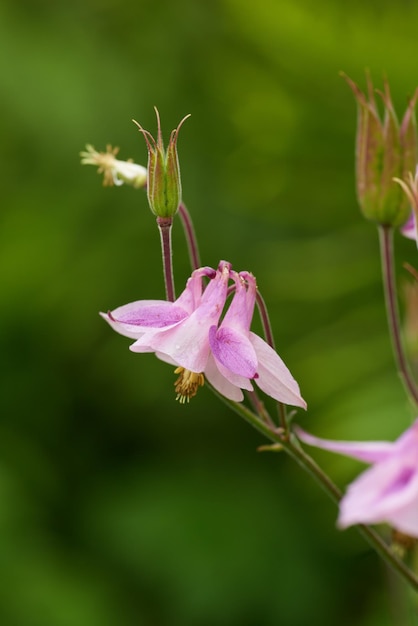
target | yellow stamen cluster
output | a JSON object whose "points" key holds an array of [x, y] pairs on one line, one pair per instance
{"points": [[187, 384], [104, 160]]}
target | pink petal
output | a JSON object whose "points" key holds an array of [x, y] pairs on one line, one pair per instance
{"points": [[133, 319], [274, 377], [241, 309], [407, 443], [368, 451], [234, 379], [406, 520], [387, 492], [149, 314], [233, 350], [166, 358], [123, 329], [222, 384], [190, 298], [410, 228], [187, 344]]}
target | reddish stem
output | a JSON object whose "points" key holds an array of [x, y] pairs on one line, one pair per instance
{"points": [[392, 312], [190, 235], [164, 226]]}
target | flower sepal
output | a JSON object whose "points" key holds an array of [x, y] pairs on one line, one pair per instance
{"points": [[385, 150]]}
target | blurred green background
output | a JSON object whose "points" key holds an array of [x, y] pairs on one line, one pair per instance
{"points": [[118, 506]]}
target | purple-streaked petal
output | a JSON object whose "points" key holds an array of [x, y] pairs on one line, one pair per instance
{"points": [[123, 329], [133, 319], [234, 379], [190, 298], [186, 343], [409, 229], [367, 451], [233, 350], [149, 314], [387, 492], [222, 384], [274, 377], [241, 309], [251, 288]]}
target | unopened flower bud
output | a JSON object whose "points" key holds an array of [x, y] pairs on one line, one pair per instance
{"points": [[164, 182], [384, 150], [115, 172]]}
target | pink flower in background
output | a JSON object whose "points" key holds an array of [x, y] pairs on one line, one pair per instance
{"points": [[187, 334], [409, 229], [386, 492], [410, 187]]}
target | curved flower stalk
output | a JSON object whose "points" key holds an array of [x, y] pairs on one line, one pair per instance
{"points": [[188, 334], [392, 312], [115, 172], [388, 491]]}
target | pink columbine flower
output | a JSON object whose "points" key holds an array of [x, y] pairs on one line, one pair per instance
{"points": [[188, 334], [386, 492]]}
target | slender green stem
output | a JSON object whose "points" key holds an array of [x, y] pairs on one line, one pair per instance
{"points": [[291, 445], [260, 409], [164, 226], [389, 285], [190, 235]]}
